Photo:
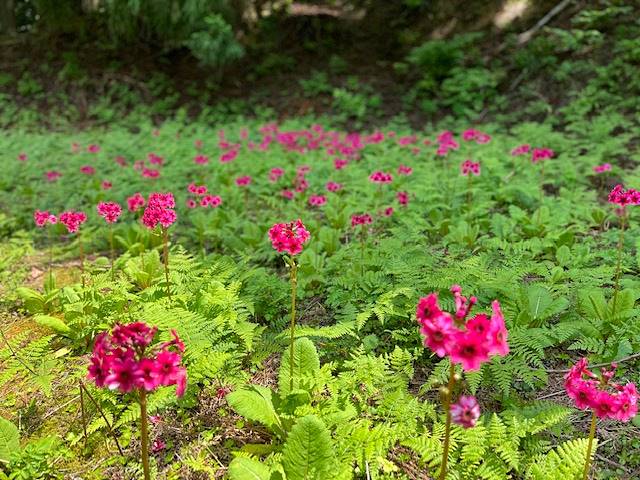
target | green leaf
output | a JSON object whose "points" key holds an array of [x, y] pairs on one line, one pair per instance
{"points": [[53, 323], [306, 365], [308, 452], [242, 468], [9, 440], [255, 403]]}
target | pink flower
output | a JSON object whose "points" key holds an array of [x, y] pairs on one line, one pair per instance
{"points": [[468, 167], [52, 175], [201, 159], [288, 194], [155, 159], [159, 210], [289, 237], [470, 134], [212, 201], [87, 170], [243, 181], [229, 156], [110, 211], [125, 360], [621, 197], [340, 163], [465, 411], [539, 154], [158, 445], [72, 220], [150, 173], [605, 398], [467, 342], [106, 185], [275, 174], [404, 170], [403, 198], [75, 147], [606, 167], [120, 160], [409, 140], [317, 200], [333, 186], [198, 144], [521, 150], [364, 219], [191, 203], [93, 148], [381, 177], [23, 157], [388, 211], [135, 202], [43, 218]]}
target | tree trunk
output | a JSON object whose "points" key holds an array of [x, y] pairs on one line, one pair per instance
{"points": [[7, 17]]}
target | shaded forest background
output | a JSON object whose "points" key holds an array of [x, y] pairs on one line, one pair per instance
{"points": [[361, 61]]}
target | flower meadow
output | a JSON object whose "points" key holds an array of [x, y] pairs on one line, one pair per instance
{"points": [[293, 301]]}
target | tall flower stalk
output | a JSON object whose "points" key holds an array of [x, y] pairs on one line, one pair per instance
{"points": [[72, 221], [127, 360], [42, 219], [290, 238], [165, 258], [466, 341], [603, 397], [470, 169], [110, 211]]}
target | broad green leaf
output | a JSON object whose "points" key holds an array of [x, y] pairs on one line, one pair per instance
{"points": [[54, 323], [308, 452], [9, 440], [255, 403], [242, 468], [306, 365]]}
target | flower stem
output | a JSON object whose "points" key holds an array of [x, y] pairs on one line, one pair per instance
{"points": [[619, 263], [111, 251], [165, 258], [469, 182], [50, 259], [294, 289], [81, 248], [446, 404], [541, 193], [144, 434], [592, 434]]}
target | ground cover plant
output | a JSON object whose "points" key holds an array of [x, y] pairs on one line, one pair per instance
{"points": [[441, 288]]}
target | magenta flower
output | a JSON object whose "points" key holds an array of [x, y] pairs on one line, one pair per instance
{"points": [[136, 202], [465, 411], [125, 360], [364, 219], [288, 194], [604, 397], [275, 174], [159, 210], [381, 177], [243, 181], [52, 175], [333, 186], [93, 148], [388, 211], [201, 159], [87, 170], [42, 218], [467, 342], [72, 220], [621, 197], [605, 167], [317, 200], [23, 157], [120, 160], [110, 211], [521, 150], [155, 159], [191, 203], [212, 201], [404, 170], [539, 154], [289, 237], [340, 163], [403, 198], [106, 185], [229, 156], [150, 173], [468, 167]]}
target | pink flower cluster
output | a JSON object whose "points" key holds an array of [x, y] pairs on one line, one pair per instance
{"points": [[126, 360], [87, 170], [159, 210], [43, 218], [446, 142], [405, 170], [589, 392], [72, 220], [289, 237], [622, 197], [212, 201], [317, 200], [403, 198], [468, 167], [477, 135], [110, 211], [197, 189], [469, 342], [521, 150], [364, 219], [52, 175], [155, 159], [333, 186], [243, 181], [381, 177], [465, 411], [275, 174], [539, 154], [605, 167], [136, 202], [201, 159], [23, 157]]}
